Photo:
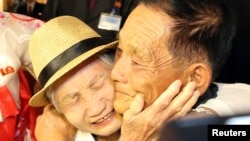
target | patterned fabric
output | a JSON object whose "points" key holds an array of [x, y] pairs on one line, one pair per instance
{"points": [[17, 124], [17, 118]]}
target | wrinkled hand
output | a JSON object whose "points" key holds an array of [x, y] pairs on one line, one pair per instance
{"points": [[52, 126], [145, 125]]}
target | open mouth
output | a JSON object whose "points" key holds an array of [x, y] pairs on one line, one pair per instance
{"points": [[104, 118]]}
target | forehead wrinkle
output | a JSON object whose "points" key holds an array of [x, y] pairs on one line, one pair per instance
{"points": [[144, 39], [75, 88], [148, 34]]}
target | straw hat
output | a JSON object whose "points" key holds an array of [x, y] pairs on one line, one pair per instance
{"points": [[57, 47]]}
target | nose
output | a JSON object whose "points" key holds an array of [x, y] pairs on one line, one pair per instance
{"points": [[96, 105], [118, 71]]}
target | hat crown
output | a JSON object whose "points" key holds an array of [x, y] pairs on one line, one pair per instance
{"points": [[66, 32]]}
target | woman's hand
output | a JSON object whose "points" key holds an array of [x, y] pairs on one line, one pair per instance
{"points": [[52, 126]]}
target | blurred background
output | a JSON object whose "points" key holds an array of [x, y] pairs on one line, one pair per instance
{"points": [[11, 5]]}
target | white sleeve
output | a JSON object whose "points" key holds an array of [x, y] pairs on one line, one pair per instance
{"points": [[232, 99]]}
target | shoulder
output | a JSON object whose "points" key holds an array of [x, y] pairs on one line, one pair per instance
{"points": [[231, 88], [232, 99]]}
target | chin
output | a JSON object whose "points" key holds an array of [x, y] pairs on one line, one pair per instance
{"points": [[109, 130]]}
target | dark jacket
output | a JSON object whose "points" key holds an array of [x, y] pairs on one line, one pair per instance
{"points": [[36, 13], [79, 9], [237, 67], [126, 8]]}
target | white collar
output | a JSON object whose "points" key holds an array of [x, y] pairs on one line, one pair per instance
{"points": [[83, 136]]}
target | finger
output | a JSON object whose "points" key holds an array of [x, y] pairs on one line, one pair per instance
{"points": [[181, 99], [136, 107], [38, 118], [166, 97], [187, 106], [48, 107]]}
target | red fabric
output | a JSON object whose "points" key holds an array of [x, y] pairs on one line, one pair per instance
{"points": [[9, 112], [16, 122]]}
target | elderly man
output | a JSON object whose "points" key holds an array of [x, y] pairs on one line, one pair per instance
{"points": [[162, 41]]}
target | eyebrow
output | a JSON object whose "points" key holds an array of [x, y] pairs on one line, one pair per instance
{"points": [[96, 78], [65, 97]]}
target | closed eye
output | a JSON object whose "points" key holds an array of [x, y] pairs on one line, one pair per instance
{"points": [[70, 99], [99, 82]]}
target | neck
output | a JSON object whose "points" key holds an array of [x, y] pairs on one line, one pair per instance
{"points": [[113, 137]]}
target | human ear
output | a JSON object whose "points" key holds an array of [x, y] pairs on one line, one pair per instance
{"points": [[201, 73]]}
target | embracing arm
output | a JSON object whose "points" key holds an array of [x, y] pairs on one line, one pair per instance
{"points": [[52, 126], [232, 99]]}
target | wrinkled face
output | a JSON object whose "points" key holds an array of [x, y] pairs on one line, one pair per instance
{"points": [[142, 63], [85, 97]]}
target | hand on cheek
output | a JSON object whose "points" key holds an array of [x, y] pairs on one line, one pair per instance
{"points": [[139, 124]]}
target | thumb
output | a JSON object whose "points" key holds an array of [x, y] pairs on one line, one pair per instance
{"points": [[135, 108]]}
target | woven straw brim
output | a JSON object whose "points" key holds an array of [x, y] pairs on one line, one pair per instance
{"points": [[39, 98]]}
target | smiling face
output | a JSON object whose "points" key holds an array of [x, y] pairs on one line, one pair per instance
{"points": [[85, 96], [142, 63]]}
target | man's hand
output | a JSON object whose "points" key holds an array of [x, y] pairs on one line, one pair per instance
{"points": [[52, 126], [139, 124]]}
